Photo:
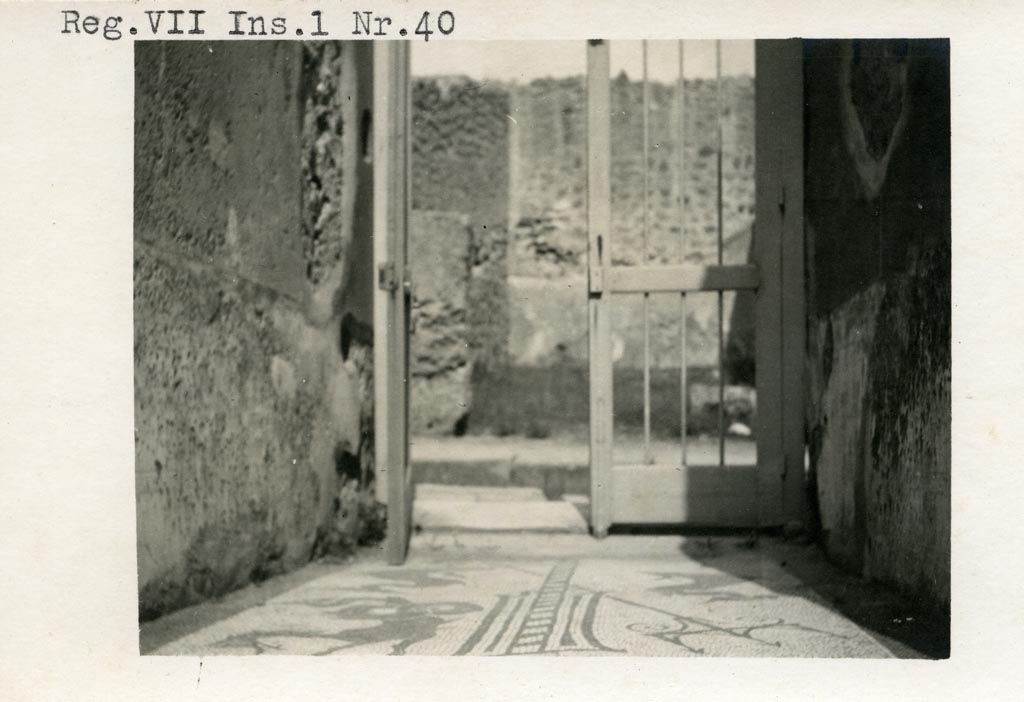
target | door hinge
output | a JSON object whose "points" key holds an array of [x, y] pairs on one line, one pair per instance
{"points": [[386, 278]]}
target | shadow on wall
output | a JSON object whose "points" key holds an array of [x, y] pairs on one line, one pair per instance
{"points": [[878, 233]]}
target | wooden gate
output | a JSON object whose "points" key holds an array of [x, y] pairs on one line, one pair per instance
{"points": [[769, 492], [392, 139]]}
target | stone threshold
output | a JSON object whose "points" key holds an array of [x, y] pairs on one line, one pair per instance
{"points": [[557, 466]]}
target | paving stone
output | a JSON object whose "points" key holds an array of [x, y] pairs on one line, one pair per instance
{"points": [[428, 492]]}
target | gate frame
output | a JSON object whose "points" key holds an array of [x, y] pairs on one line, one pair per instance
{"points": [[780, 315], [777, 486]]}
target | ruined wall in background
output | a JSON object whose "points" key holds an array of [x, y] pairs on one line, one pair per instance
{"points": [[549, 209], [440, 355], [460, 195], [252, 367], [521, 160], [878, 285], [547, 286], [550, 238]]}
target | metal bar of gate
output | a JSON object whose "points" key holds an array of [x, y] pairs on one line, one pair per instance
{"points": [[648, 455], [681, 146], [721, 236]]}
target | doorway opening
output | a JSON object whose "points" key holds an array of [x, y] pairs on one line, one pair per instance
{"points": [[595, 337]]}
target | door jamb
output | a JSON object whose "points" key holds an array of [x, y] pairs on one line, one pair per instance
{"points": [[391, 212], [780, 314]]}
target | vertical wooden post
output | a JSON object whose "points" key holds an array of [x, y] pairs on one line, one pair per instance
{"points": [[391, 203], [403, 91], [779, 251], [684, 394], [648, 454], [598, 303], [721, 245], [382, 312]]}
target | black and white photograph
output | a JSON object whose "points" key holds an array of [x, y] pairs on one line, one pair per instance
{"points": [[618, 347], [531, 351]]}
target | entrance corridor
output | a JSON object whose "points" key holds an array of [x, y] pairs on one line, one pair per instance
{"points": [[555, 591]]}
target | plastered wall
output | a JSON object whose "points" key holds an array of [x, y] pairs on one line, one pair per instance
{"points": [[252, 372], [878, 287]]}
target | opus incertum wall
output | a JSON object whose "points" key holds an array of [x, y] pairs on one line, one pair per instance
{"points": [[499, 188]]}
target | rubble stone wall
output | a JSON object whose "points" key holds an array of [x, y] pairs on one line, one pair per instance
{"points": [[519, 165], [458, 245]]}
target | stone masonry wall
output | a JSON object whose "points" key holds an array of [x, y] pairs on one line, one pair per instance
{"points": [[441, 357], [521, 160], [460, 200], [878, 285], [252, 366], [550, 206], [550, 239]]}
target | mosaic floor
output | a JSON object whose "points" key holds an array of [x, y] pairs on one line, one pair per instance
{"points": [[526, 594]]}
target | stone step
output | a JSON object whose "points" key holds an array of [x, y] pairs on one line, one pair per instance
{"points": [[556, 467], [434, 492], [551, 481], [470, 508]]}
